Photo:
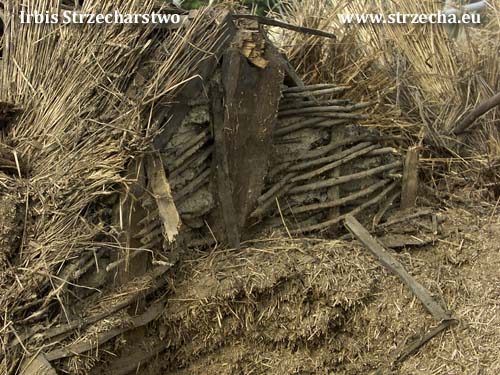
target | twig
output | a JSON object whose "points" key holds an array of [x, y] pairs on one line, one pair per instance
{"points": [[393, 265], [309, 123], [81, 347], [319, 109], [328, 159], [318, 86], [342, 180], [405, 218], [329, 167], [384, 208], [268, 21], [413, 348], [356, 211], [477, 112], [339, 202], [296, 104], [306, 94]]}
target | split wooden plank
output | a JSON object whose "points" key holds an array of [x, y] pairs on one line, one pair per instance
{"points": [[221, 166], [251, 98], [163, 195], [393, 265], [410, 179]]}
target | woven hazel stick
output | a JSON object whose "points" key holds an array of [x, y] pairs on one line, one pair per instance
{"points": [[330, 158], [338, 219], [296, 104], [317, 109], [309, 123], [331, 166], [344, 179], [339, 202], [309, 93], [319, 86]]}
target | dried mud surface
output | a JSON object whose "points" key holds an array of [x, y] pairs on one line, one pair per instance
{"points": [[320, 307]]}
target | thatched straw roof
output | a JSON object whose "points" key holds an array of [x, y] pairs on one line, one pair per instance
{"points": [[91, 103], [425, 80]]}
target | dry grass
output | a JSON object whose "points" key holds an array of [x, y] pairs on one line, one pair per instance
{"points": [[89, 100], [423, 80]]}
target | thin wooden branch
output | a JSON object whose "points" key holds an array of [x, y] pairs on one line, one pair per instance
{"points": [[195, 161], [320, 151], [357, 210], [268, 21], [306, 94], [343, 115], [407, 217], [415, 346], [384, 208], [82, 323], [336, 164], [339, 202], [200, 180], [393, 265], [477, 112], [81, 347], [318, 86], [309, 123], [383, 151], [344, 179], [328, 159], [297, 104], [318, 109], [190, 148]]}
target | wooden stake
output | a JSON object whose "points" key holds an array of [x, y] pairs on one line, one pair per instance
{"points": [[410, 179]]}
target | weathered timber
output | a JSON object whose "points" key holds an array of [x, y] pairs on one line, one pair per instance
{"points": [[393, 265], [224, 183], [410, 179], [174, 114], [251, 99]]}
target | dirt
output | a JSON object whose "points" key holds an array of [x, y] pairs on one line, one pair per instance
{"points": [[283, 306]]}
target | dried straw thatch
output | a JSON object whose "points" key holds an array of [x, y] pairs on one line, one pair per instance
{"points": [[424, 81], [90, 104]]}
